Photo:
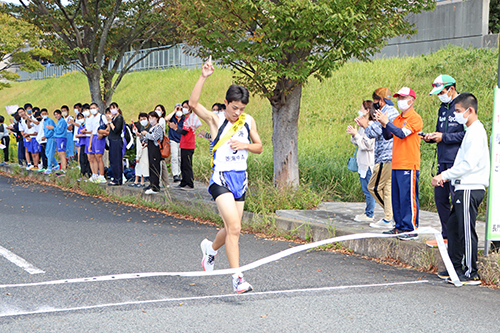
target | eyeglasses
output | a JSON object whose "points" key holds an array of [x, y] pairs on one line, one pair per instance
{"points": [[439, 85]]}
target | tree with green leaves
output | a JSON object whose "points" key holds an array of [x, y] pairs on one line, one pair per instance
{"points": [[19, 47], [96, 34], [277, 45]]}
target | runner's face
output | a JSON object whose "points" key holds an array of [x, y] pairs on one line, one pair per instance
{"points": [[234, 110]]}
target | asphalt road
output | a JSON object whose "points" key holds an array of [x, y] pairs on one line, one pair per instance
{"points": [[69, 236]]}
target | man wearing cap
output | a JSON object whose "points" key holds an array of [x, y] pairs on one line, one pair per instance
{"points": [[405, 162], [380, 181], [448, 136]]}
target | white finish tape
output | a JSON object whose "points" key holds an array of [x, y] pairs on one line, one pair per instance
{"points": [[255, 264]]}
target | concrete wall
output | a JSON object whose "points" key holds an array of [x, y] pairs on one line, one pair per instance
{"points": [[454, 22]]}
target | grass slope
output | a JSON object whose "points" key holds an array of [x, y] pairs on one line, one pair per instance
{"points": [[327, 108]]}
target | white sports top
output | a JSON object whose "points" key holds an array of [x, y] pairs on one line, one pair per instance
{"points": [[227, 159]]}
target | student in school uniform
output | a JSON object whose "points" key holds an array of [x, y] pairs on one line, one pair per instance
{"points": [[82, 142], [50, 149], [70, 143], [32, 132], [141, 152], [116, 125], [97, 143], [176, 117], [23, 127], [40, 138], [5, 140], [60, 133]]}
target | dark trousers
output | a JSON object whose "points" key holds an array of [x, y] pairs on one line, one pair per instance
{"points": [[462, 237], [154, 157], [6, 141], [116, 160], [21, 152], [44, 158], [84, 163], [442, 199], [187, 167]]}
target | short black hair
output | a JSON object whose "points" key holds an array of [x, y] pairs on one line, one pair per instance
{"points": [[2, 119], [36, 109], [86, 106], [58, 112], [185, 102], [65, 107], [376, 97], [44, 109], [80, 115], [237, 94], [77, 105], [28, 105], [93, 103], [467, 100], [142, 115], [38, 113], [222, 106]]}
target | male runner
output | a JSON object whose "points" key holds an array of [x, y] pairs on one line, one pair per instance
{"points": [[235, 135]]}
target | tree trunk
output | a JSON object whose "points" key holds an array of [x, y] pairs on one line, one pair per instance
{"points": [[285, 138], [94, 78]]}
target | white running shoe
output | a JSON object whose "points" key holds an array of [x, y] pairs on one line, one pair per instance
{"points": [[382, 224], [208, 259], [101, 180], [240, 285], [363, 218]]}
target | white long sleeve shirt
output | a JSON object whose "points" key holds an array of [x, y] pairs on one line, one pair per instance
{"points": [[471, 169], [366, 154]]}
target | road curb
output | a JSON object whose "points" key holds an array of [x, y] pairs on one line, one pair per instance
{"points": [[414, 253]]}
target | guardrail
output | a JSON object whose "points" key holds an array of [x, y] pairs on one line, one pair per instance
{"points": [[159, 59]]}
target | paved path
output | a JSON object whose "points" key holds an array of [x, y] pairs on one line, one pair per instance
{"points": [[71, 236]]}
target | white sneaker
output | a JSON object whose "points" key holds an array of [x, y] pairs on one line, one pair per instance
{"points": [[101, 180], [150, 191], [382, 224], [208, 259], [363, 218], [29, 167], [240, 285]]}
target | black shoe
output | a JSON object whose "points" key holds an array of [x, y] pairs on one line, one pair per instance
{"points": [[113, 184], [443, 275], [147, 188], [393, 231], [177, 179], [407, 237], [474, 280], [179, 187]]}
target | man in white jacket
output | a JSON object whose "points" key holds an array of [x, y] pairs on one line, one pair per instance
{"points": [[470, 175]]}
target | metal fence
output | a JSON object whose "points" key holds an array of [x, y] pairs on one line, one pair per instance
{"points": [[158, 59]]}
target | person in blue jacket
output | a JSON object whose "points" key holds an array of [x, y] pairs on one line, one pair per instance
{"points": [[60, 133], [50, 148], [448, 136]]}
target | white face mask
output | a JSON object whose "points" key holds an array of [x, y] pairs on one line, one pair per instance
{"points": [[404, 104], [114, 111], [144, 123], [93, 111], [76, 111], [459, 117], [158, 113], [361, 113], [185, 110], [86, 113], [80, 121], [179, 114], [152, 122], [444, 98], [45, 116], [65, 114]]}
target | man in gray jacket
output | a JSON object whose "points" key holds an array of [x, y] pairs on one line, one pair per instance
{"points": [[380, 181], [470, 175]]}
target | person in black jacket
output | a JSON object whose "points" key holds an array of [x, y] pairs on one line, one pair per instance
{"points": [[448, 136], [116, 124]]}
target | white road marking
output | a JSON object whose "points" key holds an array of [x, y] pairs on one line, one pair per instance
{"points": [[195, 298], [17, 260]]}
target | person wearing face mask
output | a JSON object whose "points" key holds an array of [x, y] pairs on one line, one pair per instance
{"points": [[116, 124], [50, 149], [160, 111], [25, 114], [70, 121], [470, 174], [40, 138], [60, 133], [141, 151], [152, 138], [77, 109], [380, 181], [85, 170], [404, 130], [448, 136], [96, 145], [365, 159], [33, 130], [177, 119]]}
